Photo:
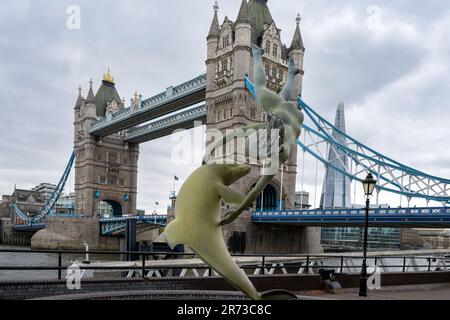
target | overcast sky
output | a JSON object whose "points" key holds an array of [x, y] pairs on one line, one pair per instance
{"points": [[387, 60]]}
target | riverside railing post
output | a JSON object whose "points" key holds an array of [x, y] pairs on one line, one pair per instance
{"points": [[404, 264], [342, 264], [307, 264], [59, 265], [264, 265], [143, 266]]}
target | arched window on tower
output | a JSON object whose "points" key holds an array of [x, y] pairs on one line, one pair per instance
{"points": [[219, 116], [267, 68], [225, 65], [268, 44], [275, 50], [226, 41]]}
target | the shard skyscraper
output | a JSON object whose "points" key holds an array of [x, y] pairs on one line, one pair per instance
{"points": [[336, 187]]}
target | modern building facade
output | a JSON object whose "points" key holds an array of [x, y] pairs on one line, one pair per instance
{"points": [[336, 193], [301, 201], [336, 186], [47, 189]]}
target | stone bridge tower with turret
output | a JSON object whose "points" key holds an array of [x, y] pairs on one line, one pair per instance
{"points": [[105, 169], [230, 105]]}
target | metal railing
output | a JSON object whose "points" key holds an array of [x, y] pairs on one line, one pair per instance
{"points": [[264, 264]]}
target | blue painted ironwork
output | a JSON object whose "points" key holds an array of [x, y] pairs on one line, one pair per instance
{"points": [[111, 226], [171, 94], [392, 176], [22, 218], [168, 122], [402, 217]]}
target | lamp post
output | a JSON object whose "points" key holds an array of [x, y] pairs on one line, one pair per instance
{"points": [[369, 185]]}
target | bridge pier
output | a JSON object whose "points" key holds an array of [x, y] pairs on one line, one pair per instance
{"points": [[11, 238], [245, 236], [62, 233]]}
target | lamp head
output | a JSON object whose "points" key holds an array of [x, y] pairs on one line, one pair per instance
{"points": [[369, 185]]}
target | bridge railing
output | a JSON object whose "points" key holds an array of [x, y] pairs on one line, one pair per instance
{"points": [[173, 120], [264, 264], [358, 211], [171, 94]]}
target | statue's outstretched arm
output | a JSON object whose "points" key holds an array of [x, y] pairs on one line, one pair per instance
{"points": [[248, 201], [286, 93], [229, 195]]}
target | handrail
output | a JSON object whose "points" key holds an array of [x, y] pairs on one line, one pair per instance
{"points": [[264, 258]]}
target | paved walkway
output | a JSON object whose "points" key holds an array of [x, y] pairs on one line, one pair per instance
{"points": [[424, 292]]}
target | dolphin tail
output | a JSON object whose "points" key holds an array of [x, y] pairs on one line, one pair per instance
{"points": [[278, 295], [172, 235]]}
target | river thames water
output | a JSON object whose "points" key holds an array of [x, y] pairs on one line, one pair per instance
{"points": [[38, 259]]}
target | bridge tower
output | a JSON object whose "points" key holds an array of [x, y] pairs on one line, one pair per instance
{"points": [[105, 169], [230, 105]]}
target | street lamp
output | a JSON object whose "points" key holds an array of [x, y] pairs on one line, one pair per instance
{"points": [[369, 185]]}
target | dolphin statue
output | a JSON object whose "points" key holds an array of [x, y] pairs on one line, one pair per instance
{"points": [[197, 224]]}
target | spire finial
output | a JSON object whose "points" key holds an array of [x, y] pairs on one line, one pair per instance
{"points": [[91, 82], [79, 90], [297, 41], [107, 77], [215, 27]]}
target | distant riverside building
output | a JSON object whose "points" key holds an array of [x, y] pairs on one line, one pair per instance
{"points": [[301, 200], [31, 202], [336, 195], [46, 189], [426, 239]]}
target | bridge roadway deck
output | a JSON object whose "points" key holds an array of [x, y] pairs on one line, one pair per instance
{"points": [[378, 217], [186, 97]]}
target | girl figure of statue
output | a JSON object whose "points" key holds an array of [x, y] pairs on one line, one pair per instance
{"points": [[281, 111]]}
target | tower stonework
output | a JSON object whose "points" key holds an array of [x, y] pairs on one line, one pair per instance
{"points": [[105, 172], [105, 169], [230, 105]]}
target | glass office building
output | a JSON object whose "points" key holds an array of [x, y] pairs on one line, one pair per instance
{"points": [[336, 194]]}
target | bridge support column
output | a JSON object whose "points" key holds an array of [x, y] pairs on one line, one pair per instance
{"points": [[71, 233]]}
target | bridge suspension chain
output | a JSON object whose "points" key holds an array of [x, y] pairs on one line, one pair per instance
{"points": [[390, 173], [51, 202]]}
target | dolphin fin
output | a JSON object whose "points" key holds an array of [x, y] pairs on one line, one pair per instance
{"points": [[278, 295]]}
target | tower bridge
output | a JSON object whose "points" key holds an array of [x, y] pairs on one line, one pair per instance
{"points": [[107, 137]]}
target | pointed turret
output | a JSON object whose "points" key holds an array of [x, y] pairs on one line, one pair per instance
{"points": [[260, 16], [79, 99], [243, 16], [297, 41], [106, 94], [90, 97], [215, 27]]}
